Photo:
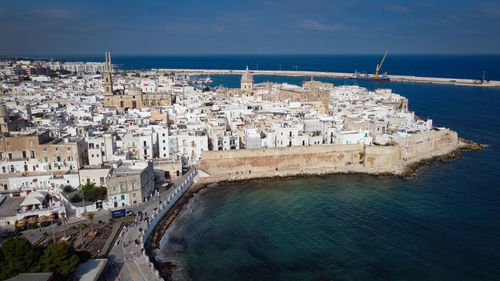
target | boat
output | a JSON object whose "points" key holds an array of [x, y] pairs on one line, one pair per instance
{"points": [[376, 77], [367, 77]]}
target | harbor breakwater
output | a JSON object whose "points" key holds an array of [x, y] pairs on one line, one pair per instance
{"points": [[342, 75], [401, 158]]}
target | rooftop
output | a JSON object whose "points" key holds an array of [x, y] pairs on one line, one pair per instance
{"points": [[9, 205]]}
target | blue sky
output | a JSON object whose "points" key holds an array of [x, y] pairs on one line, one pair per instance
{"points": [[34, 27]]}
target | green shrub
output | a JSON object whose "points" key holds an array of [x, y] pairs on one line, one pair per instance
{"points": [[68, 188], [75, 198]]}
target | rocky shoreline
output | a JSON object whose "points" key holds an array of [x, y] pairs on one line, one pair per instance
{"points": [[152, 245], [455, 154]]}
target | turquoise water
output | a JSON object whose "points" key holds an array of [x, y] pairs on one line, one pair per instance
{"points": [[345, 228], [441, 224]]}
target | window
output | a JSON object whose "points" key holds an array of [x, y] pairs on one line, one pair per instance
{"points": [[133, 194], [58, 158], [70, 168], [69, 158], [45, 159], [88, 180], [123, 197]]}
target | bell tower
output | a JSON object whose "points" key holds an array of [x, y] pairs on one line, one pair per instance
{"points": [[108, 80]]}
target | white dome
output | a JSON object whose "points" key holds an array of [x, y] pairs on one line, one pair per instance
{"points": [[247, 77]]}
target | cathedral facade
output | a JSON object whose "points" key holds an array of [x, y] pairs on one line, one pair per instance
{"points": [[132, 97]]}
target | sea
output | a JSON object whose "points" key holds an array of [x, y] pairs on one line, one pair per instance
{"points": [[441, 224]]}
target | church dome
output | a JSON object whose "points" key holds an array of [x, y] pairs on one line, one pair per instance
{"points": [[247, 77], [134, 90]]}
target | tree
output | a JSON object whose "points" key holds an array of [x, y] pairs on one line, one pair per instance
{"points": [[59, 258], [81, 226], [91, 193], [64, 219], [91, 218], [75, 198], [17, 255]]}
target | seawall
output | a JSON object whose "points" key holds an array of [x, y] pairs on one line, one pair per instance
{"points": [[342, 75], [401, 158]]}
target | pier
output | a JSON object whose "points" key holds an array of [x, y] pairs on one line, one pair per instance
{"points": [[340, 75]]}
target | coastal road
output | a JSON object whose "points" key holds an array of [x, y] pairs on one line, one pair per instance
{"points": [[126, 258]]}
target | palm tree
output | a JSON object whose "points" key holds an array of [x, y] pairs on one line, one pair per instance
{"points": [[81, 226], [64, 219], [91, 218]]}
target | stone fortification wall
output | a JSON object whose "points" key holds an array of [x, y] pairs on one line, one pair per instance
{"points": [[252, 163], [321, 159], [426, 143], [381, 157]]}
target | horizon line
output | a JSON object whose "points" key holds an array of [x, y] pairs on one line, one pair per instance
{"points": [[245, 54]]}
